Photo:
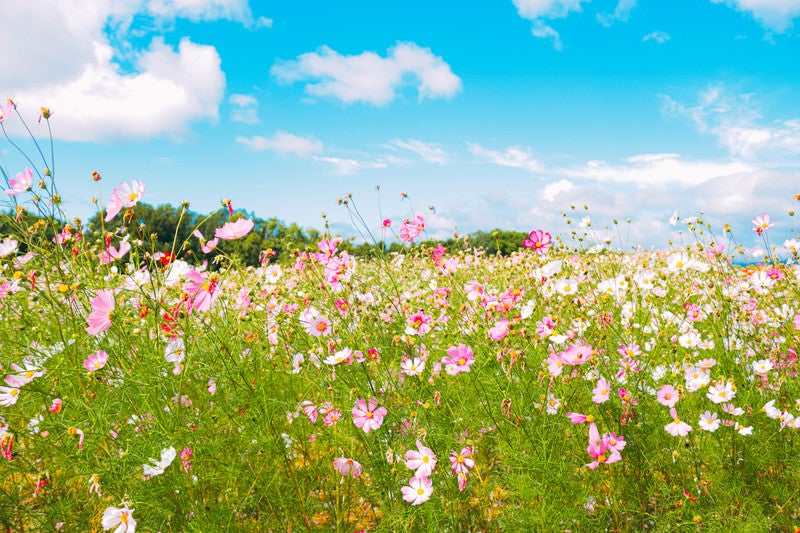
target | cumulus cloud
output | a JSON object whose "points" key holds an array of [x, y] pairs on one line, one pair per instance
{"points": [[171, 89], [283, 143], [658, 36], [775, 15], [430, 152], [245, 108], [515, 157], [553, 189], [97, 83], [369, 77]]}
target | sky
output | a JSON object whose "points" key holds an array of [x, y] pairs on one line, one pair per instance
{"points": [[499, 114]]}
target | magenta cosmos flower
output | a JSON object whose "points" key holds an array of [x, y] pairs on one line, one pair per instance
{"points": [[100, 317], [538, 240], [234, 230], [367, 415], [600, 449]]}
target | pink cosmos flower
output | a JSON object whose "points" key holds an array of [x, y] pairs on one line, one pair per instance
{"points": [[100, 317], [128, 196], [95, 361], [121, 519], [8, 396], [459, 359], [410, 229], [577, 418], [387, 222], [576, 355], [418, 491], [21, 183], [667, 396], [461, 462], [422, 460], [599, 449], [112, 254], [761, 224], [676, 428], [600, 391], [6, 109], [419, 323], [367, 415], [234, 230], [538, 240], [346, 466], [500, 330]]}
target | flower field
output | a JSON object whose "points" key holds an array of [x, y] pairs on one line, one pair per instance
{"points": [[556, 388]]}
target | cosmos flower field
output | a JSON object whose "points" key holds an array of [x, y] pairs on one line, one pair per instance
{"points": [[558, 388]]}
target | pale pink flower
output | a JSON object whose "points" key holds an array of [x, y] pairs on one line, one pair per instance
{"points": [[538, 240], [102, 307], [418, 491], [112, 254], [554, 364], [367, 415], [234, 230], [209, 246], [121, 519], [21, 183], [600, 391], [709, 421], [346, 466], [410, 229], [422, 460], [576, 355], [615, 441], [95, 361], [6, 109], [761, 223], [459, 359], [667, 396], [128, 196], [676, 428], [412, 366], [331, 417], [8, 396]]}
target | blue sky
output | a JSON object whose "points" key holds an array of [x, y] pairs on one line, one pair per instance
{"points": [[487, 114]]}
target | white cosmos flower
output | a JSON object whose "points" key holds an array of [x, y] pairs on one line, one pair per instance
{"points": [[158, 467]]}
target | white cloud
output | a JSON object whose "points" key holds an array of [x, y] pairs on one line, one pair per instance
{"points": [[621, 13], [430, 152], [171, 90], [738, 125], [776, 15], [538, 11], [245, 108], [368, 77], [658, 36], [75, 65], [656, 170], [553, 189], [515, 157], [283, 143], [345, 167], [550, 9], [201, 10]]}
